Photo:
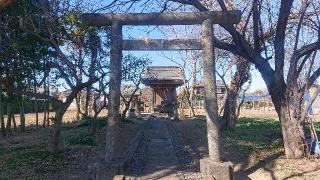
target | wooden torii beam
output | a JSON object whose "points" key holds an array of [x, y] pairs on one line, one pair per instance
{"points": [[206, 44], [161, 44], [182, 18]]}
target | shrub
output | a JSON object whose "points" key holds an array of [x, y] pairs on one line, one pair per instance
{"points": [[83, 139]]}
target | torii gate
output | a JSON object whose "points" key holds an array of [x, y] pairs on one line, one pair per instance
{"points": [[211, 166]]}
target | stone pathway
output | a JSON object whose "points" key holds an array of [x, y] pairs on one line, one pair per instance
{"points": [[160, 160]]}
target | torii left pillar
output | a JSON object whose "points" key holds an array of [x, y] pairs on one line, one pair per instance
{"points": [[114, 89]]}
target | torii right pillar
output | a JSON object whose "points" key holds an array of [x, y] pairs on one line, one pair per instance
{"points": [[212, 167]]}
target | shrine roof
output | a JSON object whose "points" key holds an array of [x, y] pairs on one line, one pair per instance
{"points": [[163, 75]]}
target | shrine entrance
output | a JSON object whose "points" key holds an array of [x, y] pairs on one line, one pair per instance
{"points": [[164, 80], [211, 167]]}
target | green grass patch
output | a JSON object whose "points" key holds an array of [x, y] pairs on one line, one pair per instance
{"points": [[33, 160], [3, 151], [101, 122], [253, 135], [83, 139], [68, 126]]}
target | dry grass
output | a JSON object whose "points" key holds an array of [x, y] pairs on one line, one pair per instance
{"points": [[25, 155], [69, 117]]}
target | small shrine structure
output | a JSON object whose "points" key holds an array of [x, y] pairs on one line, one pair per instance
{"points": [[163, 80]]}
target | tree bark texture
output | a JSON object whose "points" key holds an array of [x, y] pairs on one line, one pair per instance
{"points": [[44, 113], [36, 109], [87, 103], [14, 121], [2, 123], [114, 89], [242, 75], [210, 90], [9, 116], [289, 110], [22, 115], [78, 104]]}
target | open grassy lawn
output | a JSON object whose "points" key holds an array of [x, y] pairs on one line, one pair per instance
{"points": [[254, 146], [25, 155]]}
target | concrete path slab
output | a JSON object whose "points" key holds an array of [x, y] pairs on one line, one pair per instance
{"points": [[160, 161]]}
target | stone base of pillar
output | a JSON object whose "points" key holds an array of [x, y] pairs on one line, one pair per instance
{"points": [[105, 171], [212, 170]]}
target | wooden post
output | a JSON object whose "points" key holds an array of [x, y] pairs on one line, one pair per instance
{"points": [[212, 168], [210, 90], [114, 88], [153, 99]]}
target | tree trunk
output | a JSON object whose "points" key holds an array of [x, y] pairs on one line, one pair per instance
{"points": [[126, 109], [54, 142], [289, 111], [193, 86], [190, 104], [48, 113], [14, 121], [44, 113], [87, 103], [9, 116], [78, 104], [22, 115], [2, 123], [94, 123], [187, 93], [230, 114], [36, 108], [36, 112], [230, 109]]}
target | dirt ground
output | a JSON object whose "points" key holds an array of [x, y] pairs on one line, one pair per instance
{"points": [[254, 147]]}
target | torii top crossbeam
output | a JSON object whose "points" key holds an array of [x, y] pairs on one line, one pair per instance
{"points": [[183, 18]]}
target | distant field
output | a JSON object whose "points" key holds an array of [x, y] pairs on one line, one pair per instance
{"points": [[70, 116], [266, 114]]}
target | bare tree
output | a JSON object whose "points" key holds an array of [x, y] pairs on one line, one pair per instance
{"points": [[64, 65], [132, 70], [242, 75]]}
